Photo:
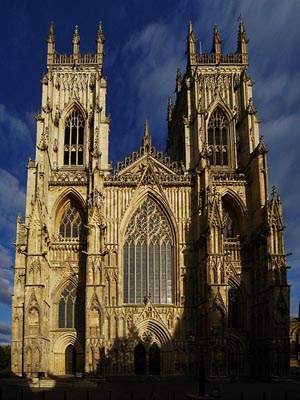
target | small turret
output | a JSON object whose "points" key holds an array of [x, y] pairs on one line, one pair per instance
{"points": [[146, 139], [51, 44], [191, 44], [216, 45], [76, 41], [242, 48], [100, 42], [146, 142]]}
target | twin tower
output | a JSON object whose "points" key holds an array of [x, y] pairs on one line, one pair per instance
{"points": [[168, 263]]}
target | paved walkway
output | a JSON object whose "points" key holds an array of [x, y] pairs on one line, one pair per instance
{"points": [[153, 388]]}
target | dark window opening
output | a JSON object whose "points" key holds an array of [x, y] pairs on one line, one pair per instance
{"points": [[74, 137], [217, 136]]}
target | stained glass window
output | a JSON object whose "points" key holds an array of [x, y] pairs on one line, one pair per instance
{"points": [[218, 138], [74, 133], [148, 256]]}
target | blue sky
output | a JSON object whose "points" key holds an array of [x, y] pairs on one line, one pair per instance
{"points": [[145, 43]]}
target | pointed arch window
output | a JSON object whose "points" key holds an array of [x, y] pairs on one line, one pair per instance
{"points": [[148, 256], [68, 307], [230, 221], [71, 224], [218, 140], [74, 137]]}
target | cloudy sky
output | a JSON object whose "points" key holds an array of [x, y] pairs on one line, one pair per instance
{"points": [[145, 43]]}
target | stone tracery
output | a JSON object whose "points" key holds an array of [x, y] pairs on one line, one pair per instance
{"points": [[148, 256]]}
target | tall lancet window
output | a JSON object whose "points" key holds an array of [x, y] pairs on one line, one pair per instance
{"points": [[218, 138], [74, 136], [148, 256], [68, 307], [71, 224]]}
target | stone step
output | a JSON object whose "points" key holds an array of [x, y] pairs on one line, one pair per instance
{"points": [[53, 383]]}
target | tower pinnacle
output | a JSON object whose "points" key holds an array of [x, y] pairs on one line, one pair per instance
{"points": [[100, 39], [51, 33], [242, 47], [51, 43], [147, 137], [100, 36], [191, 44], [216, 45], [76, 41]]}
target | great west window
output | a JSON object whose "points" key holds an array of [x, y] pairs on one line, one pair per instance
{"points": [[148, 256]]}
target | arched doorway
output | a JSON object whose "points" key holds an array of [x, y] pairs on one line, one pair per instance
{"points": [[154, 360], [139, 359], [70, 359]]}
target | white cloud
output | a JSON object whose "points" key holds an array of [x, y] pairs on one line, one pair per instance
{"points": [[6, 262], [12, 201], [17, 128], [151, 57], [10, 190], [17, 142], [5, 292], [5, 257], [4, 340], [5, 329]]}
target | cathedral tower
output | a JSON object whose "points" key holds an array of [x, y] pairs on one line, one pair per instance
{"points": [[53, 243], [167, 263], [243, 296]]}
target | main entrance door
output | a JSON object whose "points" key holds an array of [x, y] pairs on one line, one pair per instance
{"points": [[139, 359], [70, 360], [154, 360], [147, 362]]}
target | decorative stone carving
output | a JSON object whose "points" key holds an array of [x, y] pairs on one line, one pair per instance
{"points": [[47, 109], [56, 117], [95, 199], [43, 144], [68, 177]]}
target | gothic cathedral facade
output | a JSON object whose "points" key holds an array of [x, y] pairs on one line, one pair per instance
{"points": [[167, 263]]}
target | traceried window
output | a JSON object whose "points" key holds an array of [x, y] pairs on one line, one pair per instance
{"points": [[218, 138], [74, 132], [71, 224], [68, 307], [148, 256]]}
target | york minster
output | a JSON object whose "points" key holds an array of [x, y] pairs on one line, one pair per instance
{"points": [[166, 263]]}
